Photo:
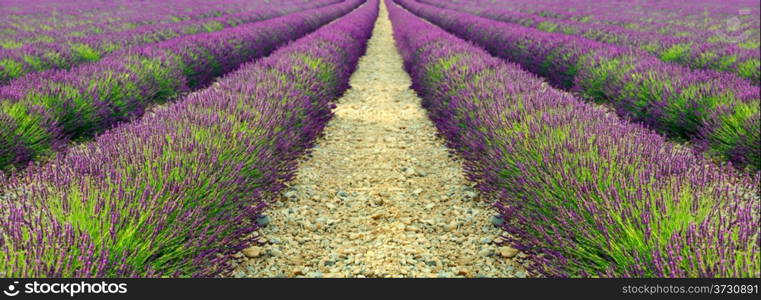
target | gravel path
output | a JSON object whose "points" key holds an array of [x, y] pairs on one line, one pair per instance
{"points": [[380, 195]]}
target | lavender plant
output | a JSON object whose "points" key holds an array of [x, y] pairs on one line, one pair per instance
{"points": [[695, 51], [170, 195], [25, 21], [715, 111], [70, 51], [585, 193], [674, 18], [45, 110]]}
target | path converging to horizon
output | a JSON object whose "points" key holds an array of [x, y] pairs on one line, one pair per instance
{"points": [[380, 195]]}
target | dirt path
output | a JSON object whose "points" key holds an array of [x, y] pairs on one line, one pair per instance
{"points": [[379, 196]]}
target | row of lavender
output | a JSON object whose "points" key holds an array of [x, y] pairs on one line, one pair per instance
{"points": [[694, 51], [717, 112], [40, 113], [169, 195], [69, 51], [682, 18], [585, 193], [29, 19]]}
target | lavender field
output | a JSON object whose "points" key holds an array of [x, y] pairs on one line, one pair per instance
{"points": [[380, 138]]}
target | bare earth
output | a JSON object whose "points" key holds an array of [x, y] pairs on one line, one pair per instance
{"points": [[380, 195]]}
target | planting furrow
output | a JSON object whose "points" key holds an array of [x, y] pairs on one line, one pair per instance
{"points": [[40, 113], [716, 112], [68, 52], [379, 196], [586, 193], [169, 194], [693, 52]]}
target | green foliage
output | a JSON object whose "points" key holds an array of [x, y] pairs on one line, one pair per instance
{"points": [[750, 68], [10, 68], [84, 52], [676, 52]]}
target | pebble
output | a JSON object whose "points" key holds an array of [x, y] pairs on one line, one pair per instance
{"points": [[275, 252], [508, 252], [497, 221], [443, 274], [290, 194], [484, 252], [263, 221], [252, 252]]}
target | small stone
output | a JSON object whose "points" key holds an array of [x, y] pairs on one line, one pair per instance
{"points": [[316, 274], [429, 206], [290, 194], [508, 252], [275, 252], [451, 226], [470, 194], [484, 252], [497, 221], [464, 272], [444, 274], [342, 194], [296, 272], [275, 241], [485, 240], [309, 226], [520, 274], [321, 220], [417, 192], [252, 252], [376, 216], [263, 221]]}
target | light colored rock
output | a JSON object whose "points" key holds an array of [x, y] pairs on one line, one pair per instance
{"points": [[508, 252], [252, 252]]}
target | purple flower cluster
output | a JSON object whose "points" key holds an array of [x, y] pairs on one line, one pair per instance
{"points": [[69, 51], [716, 111], [36, 20], [170, 195], [582, 191], [42, 111], [677, 17], [695, 51]]}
